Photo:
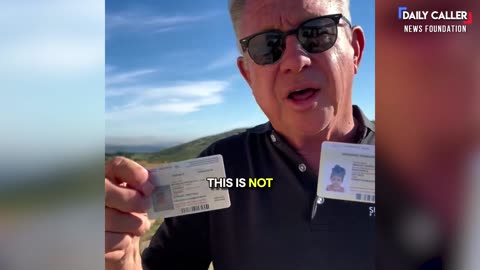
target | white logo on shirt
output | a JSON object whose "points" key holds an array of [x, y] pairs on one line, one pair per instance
{"points": [[372, 211]]}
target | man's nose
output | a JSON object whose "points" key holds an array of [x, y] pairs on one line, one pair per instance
{"points": [[295, 58]]}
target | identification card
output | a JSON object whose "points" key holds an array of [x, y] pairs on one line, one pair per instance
{"points": [[181, 187], [347, 172]]}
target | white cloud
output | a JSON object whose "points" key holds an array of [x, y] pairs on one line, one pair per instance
{"points": [[136, 21], [171, 20], [228, 59], [121, 91], [165, 29], [186, 89], [126, 77], [180, 98]]}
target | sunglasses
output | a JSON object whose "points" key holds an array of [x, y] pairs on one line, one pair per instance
{"points": [[315, 35]]}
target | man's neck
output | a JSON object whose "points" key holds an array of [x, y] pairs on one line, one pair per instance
{"points": [[310, 146]]}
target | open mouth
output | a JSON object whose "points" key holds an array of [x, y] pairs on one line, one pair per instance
{"points": [[302, 94]]}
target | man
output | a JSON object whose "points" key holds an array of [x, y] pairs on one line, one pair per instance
{"points": [[303, 83]]}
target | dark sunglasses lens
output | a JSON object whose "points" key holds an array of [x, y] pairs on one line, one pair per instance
{"points": [[318, 35], [266, 48]]}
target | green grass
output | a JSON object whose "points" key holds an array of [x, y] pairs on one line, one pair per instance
{"points": [[177, 153]]}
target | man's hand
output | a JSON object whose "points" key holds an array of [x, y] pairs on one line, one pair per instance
{"points": [[126, 191]]}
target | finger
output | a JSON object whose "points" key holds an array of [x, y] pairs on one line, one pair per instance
{"points": [[131, 223], [126, 170], [116, 241], [125, 199], [126, 255]]}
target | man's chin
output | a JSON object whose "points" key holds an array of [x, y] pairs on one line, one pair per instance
{"points": [[309, 129], [312, 122]]}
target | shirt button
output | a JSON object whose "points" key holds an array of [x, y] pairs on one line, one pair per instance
{"points": [[273, 138], [320, 200], [302, 167]]}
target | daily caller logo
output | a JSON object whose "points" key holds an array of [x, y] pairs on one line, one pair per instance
{"points": [[451, 21]]}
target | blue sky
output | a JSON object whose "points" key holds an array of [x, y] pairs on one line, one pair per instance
{"points": [[171, 72]]}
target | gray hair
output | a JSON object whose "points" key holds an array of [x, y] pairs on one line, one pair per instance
{"points": [[235, 8]]}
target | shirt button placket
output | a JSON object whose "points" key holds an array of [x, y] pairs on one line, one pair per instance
{"points": [[273, 138], [302, 167], [320, 200]]}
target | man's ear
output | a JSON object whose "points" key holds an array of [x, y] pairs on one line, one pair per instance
{"points": [[358, 45], [243, 67]]}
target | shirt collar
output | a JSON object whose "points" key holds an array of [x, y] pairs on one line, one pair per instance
{"points": [[366, 127]]}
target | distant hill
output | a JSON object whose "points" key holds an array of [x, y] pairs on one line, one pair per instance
{"points": [[177, 153], [113, 148]]}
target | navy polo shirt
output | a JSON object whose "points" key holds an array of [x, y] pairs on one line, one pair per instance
{"points": [[269, 228]]}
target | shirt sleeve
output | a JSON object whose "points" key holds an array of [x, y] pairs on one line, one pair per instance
{"points": [[180, 242]]}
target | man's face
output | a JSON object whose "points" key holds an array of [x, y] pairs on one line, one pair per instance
{"points": [[329, 74], [336, 180]]}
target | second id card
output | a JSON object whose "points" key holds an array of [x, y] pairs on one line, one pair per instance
{"points": [[347, 172], [181, 187]]}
